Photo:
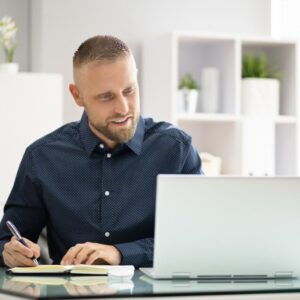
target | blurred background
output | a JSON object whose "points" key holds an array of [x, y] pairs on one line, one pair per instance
{"points": [[240, 56]]}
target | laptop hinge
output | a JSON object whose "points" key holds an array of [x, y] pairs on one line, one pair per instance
{"points": [[288, 274], [179, 275]]}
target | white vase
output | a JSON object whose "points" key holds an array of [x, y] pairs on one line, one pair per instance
{"points": [[260, 96], [187, 101], [9, 67], [210, 90]]}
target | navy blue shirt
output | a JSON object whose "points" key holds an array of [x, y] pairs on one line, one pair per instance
{"points": [[82, 191]]}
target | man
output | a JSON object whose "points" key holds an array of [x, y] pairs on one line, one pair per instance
{"points": [[92, 183]]}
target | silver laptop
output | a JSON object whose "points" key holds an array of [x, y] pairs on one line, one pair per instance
{"points": [[226, 227]]}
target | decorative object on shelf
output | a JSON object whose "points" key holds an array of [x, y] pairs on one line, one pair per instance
{"points": [[260, 86], [8, 31], [188, 94], [211, 165], [210, 90]]}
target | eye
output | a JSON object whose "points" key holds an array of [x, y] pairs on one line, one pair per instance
{"points": [[128, 92], [106, 97]]}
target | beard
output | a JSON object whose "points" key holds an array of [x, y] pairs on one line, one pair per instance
{"points": [[122, 135]]}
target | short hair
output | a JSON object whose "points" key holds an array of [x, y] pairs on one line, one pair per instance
{"points": [[100, 48]]}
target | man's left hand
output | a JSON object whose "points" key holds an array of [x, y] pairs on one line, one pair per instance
{"points": [[92, 253]]}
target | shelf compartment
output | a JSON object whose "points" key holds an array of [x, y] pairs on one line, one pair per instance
{"points": [[282, 55], [196, 54]]}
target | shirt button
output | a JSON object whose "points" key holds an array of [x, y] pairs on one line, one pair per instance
{"points": [[106, 193], [107, 234], [108, 155], [101, 146]]}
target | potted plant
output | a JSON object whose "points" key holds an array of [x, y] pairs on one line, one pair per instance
{"points": [[188, 91], [260, 86], [8, 30]]}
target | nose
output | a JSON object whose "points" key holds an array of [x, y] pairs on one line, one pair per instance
{"points": [[121, 106]]}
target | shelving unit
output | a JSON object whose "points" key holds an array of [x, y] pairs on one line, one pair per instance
{"points": [[247, 146]]}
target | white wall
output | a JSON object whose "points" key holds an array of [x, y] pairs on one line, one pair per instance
{"points": [[58, 27], [20, 11]]}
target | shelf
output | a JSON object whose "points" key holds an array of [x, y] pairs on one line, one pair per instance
{"points": [[202, 117], [254, 143], [286, 120]]}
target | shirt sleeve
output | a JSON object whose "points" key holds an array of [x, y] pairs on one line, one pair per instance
{"points": [[24, 207], [192, 162], [138, 253]]}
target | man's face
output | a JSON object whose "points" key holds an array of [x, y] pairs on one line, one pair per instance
{"points": [[109, 93]]}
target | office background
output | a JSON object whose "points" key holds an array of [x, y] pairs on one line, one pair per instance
{"points": [[51, 30]]}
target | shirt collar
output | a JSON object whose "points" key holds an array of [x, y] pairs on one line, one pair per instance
{"points": [[91, 141]]}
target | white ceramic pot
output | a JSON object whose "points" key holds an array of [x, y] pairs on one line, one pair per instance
{"points": [[260, 96], [188, 100], [9, 67]]}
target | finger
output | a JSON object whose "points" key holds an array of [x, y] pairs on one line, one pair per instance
{"points": [[20, 260], [8, 259], [34, 247], [83, 255], [71, 254], [96, 256], [16, 246], [17, 260]]}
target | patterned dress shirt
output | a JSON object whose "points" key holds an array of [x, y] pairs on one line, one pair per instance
{"points": [[81, 191]]}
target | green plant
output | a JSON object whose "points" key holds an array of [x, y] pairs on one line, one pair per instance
{"points": [[188, 82], [8, 30], [258, 67]]}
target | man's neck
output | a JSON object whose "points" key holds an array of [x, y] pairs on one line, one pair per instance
{"points": [[110, 144]]}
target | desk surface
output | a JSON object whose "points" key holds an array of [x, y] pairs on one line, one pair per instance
{"points": [[55, 287]]}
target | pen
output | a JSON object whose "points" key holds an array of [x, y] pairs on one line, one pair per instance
{"points": [[15, 232]]}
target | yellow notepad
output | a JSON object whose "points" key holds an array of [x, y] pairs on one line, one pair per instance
{"points": [[62, 269]]}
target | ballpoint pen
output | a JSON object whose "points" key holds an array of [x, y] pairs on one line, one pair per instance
{"points": [[15, 232]]}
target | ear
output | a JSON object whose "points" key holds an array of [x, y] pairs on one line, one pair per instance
{"points": [[75, 93]]}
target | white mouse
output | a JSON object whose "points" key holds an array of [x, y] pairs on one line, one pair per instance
{"points": [[128, 273]]}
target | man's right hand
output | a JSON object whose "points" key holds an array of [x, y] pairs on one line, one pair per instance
{"points": [[15, 254]]}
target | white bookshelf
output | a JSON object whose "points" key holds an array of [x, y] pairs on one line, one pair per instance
{"points": [[266, 147], [30, 106]]}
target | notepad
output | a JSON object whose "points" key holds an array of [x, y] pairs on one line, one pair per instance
{"points": [[70, 269]]}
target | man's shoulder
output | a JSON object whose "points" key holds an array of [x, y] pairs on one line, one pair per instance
{"points": [[165, 129], [64, 133]]}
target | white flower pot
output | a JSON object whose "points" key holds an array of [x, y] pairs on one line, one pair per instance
{"points": [[260, 96], [9, 67], [187, 101]]}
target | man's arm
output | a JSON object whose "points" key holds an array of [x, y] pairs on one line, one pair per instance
{"points": [[23, 207], [138, 253], [192, 162]]}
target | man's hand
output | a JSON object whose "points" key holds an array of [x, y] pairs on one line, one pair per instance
{"points": [[92, 254], [15, 254]]}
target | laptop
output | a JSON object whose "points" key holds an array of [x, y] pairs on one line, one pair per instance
{"points": [[226, 228]]}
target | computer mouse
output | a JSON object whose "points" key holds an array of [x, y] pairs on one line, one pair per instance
{"points": [[128, 273]]}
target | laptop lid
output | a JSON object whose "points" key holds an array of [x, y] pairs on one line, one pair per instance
{"points": [[227, 227]]}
